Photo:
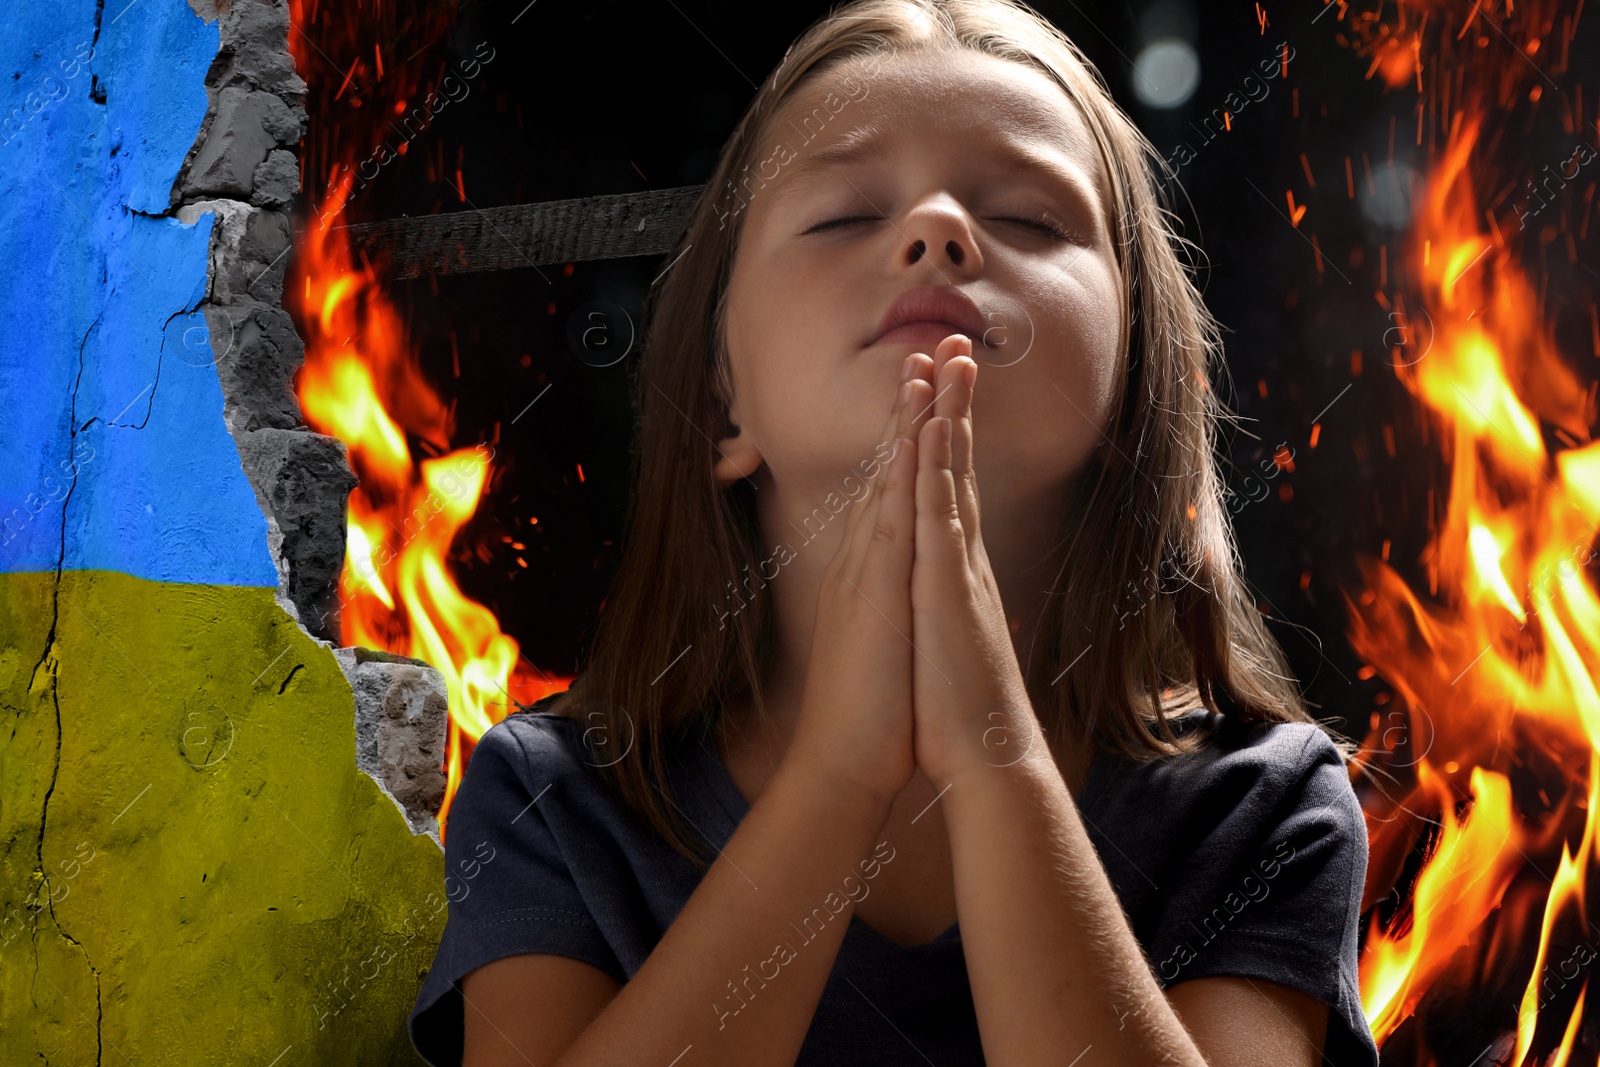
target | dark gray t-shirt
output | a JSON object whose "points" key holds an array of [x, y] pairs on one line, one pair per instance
{"points": [[1245, 858]]}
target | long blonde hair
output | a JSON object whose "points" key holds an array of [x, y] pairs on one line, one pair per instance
{"points": [[1148, 608]]}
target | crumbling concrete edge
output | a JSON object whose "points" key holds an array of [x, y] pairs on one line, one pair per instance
{"points": [[402, 720], [243, 168]]}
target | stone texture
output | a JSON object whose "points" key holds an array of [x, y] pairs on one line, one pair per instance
{"points": [[255, 52], [235, 141], [263, 257], [249, 250], [242, 169], [302, 480], [402, 720], [258, 351], [277, 179]]}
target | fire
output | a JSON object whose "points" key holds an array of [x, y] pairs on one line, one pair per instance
{"points": [[362, 382], [1567, 886], [1464, 879], [1494, 670]]}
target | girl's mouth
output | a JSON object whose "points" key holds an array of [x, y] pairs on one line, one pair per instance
{"points": [[930, 311], [925, 334]]}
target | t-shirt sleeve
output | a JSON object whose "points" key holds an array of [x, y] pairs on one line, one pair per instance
{"points": [[509, 889], [1280, 896]]}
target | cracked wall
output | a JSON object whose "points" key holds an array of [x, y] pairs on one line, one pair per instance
{"points": [[192, 867]]}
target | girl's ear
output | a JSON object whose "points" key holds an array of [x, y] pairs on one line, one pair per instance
{"points": [[738, 457]]}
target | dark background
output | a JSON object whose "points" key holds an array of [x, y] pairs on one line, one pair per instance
{"points": [[625, 95]]}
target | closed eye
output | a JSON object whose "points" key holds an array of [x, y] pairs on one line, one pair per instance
{"points": [[831, 224], [1042, 223]]}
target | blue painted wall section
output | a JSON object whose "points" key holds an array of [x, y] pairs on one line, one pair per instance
{"points": [[111, 424]]}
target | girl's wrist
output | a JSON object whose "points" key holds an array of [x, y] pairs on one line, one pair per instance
{"points": [[804, 764], [980, 789], [1004, 741]]}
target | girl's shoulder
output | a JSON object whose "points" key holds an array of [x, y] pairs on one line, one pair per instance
{"points": [[561, 760], [539, 770], [1250, 789], [539, 732], [540, 858], [1235, 757], [526, 740], [1245, 856]]}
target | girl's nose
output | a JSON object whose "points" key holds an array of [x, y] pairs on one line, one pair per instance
{"points": [[952, 249], [941, 234]]}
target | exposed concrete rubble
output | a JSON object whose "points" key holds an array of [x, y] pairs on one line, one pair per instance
{"points": [[245, 127], [243, 168], [401, 721], [277, 179], [305, 481]]}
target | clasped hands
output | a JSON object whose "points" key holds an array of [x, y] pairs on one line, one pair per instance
{"points": [[911, 597]]}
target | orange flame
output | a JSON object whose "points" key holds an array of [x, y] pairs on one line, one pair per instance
{"points": [[1463, 881], [362, 382], [1495, 672], [1567, 887]]}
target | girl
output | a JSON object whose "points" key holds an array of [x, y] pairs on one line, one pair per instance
{"points": [[858, 770]]}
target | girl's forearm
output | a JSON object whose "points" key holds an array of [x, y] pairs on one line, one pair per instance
{"points": [[1054, 967], [737, 976]]}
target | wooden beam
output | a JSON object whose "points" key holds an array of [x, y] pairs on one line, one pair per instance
{"points": [[527, 235]]}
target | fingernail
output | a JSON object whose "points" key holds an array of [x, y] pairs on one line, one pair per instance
{"points": [[944, 429], [905, 394], [905, 370]]}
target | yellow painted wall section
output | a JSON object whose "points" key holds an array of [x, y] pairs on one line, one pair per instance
{"points": [[192, 869]]}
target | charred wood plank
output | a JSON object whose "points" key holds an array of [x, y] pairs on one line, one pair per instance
{"points": [[526, 235]]}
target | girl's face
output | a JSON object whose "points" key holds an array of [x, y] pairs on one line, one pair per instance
{"points": [[935, 171]]}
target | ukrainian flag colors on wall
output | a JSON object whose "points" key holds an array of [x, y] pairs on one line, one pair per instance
{"points": [[191, 867]]}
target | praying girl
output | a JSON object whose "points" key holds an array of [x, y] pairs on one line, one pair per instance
{"points": [[929, 718]]}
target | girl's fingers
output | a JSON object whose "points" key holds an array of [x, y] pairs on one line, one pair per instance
{"points": [[955, 375], [891, 542], [909, 370], [862, 532], [881, 526], [940, 538], [886, 436]]}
